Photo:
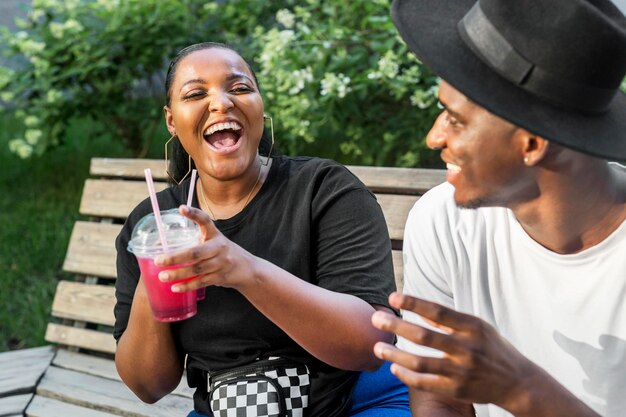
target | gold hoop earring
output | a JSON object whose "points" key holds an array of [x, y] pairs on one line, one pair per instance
{"points": [[269, 154], [167, 163]]}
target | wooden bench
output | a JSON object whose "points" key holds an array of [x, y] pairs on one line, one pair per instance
{"points": [[78, 377]]}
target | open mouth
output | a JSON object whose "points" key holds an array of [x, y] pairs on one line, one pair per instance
{"points": [[223, 136]]}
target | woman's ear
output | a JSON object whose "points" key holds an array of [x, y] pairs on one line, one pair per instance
{"points": [[534, 148], [169, 120]]}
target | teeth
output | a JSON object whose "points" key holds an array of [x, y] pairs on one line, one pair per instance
{"points": [[222, 126], [453, 168]]}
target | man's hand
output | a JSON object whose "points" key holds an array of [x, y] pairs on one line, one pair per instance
{"points": [[477, 366]]}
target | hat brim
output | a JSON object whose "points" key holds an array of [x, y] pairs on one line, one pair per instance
{"points": [[429, 28]]}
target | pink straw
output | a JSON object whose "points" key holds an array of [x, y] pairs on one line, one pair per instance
{"points": [[192, 185], [155, 207]]}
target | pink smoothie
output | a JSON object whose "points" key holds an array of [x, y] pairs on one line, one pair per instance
{"points": [[166, 305]]}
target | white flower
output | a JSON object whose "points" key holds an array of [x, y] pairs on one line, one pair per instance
{"points": [[31, 121], [285, 36], [388, 65], [36, 14], [301, 77], [21, 148], [110, 4], [286, 18], [58, 30], [7, 96], [423, 99], [335, 84], [53, 96], [30, 47], [32, 136], [73, 25], [6, 75]]}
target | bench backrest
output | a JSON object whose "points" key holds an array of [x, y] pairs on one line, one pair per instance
{"points": [[82, 310]]}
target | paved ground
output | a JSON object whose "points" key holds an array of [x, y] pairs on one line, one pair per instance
{"points": [[9, 10]]}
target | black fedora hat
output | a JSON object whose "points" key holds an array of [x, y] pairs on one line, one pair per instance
{"points": [[552, 67]]}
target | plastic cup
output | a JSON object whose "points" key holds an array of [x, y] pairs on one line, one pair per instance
{"points": [[145, 244]]}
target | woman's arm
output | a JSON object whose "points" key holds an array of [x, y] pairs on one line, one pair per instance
{"points": [[334, 327], [146, 358]]}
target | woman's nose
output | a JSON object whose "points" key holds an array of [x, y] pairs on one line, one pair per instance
{"points": [[436, 138], [220, 102]]}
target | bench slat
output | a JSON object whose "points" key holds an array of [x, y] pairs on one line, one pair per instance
{"points": [[113, 198], [48, 407], [82, 338], [89, 254], [379, 179], [398, 268], [102, 367], [131, 168], [396, 210], [22, 369], [91, 250], [413, 181], [84, 302], [14, 405], [106, 395]]}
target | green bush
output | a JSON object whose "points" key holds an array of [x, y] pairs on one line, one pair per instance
{"points": [[337, 79], [338, 71]]}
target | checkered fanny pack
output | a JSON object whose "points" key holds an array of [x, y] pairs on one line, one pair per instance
{"points": [[273, 387]]}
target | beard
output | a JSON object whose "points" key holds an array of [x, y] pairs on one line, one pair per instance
{"points": [[473, 204]]}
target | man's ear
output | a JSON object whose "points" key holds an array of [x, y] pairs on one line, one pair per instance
{"points": [[534, 148], [169, 120]]}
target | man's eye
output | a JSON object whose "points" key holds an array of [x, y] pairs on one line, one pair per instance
{"points": [[453, 121]]}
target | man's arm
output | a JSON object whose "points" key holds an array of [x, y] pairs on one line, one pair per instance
{"points": [[478, 365], [432, 405]]}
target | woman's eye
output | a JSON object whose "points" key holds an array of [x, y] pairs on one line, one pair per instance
{"points": [[240, 89], [193, 94]]}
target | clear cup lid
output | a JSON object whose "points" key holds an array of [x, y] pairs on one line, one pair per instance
{"points": [[180, 232]]}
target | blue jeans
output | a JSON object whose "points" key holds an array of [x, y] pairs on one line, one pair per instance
{"points": [[376, 394]]}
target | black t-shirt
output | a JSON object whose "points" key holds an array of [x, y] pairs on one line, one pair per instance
{"points": [[314, 219]]}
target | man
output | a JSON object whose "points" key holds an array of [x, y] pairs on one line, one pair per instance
{"points": [[515, 270]]}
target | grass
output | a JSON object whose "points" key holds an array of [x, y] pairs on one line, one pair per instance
{"points": [[39, 200]]}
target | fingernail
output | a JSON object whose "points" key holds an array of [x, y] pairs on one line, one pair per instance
{"points": [[381, 319], [176, 288], [380, 351], [164, 276], [158, 261]]}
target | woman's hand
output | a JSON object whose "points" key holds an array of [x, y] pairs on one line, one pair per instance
{"points": [[215, 261]]}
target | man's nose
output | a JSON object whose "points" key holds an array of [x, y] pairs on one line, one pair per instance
{"points": [[436, 138], [220, 102]]}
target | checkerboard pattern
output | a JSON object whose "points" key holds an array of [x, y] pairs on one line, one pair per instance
{"points": [[254, 395]]}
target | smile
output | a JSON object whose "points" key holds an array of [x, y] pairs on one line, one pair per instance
{"points": [[453, 169], [223, 137]]}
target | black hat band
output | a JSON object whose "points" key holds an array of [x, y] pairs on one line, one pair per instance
{"points": [[484, 39]]}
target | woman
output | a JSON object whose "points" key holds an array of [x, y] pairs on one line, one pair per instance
{"points": [[295, 255]]}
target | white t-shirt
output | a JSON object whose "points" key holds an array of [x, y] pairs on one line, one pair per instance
{"points": [[566, 313]]}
